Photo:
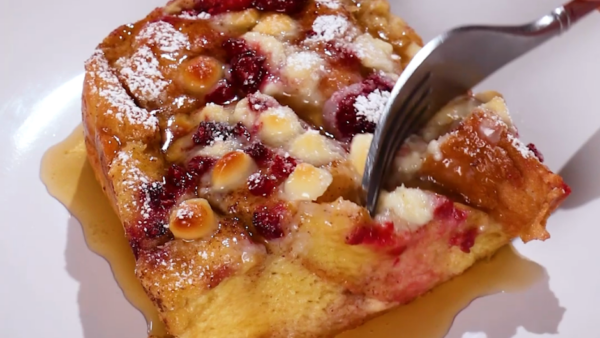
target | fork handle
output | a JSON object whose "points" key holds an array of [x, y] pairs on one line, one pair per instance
{"points": [[562, 18], [577, 9]]}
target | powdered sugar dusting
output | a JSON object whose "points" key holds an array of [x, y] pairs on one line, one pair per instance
{"points": [[254, 179], [184, 213], [372, 105], [164, 36], [333, 4], [329, 27], [125, 110], [134, 181], [521, 147], [304, 60], [142, 75]]}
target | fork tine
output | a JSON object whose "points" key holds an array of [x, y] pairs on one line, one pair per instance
{"points": [[405, 112], [372, 178], [404, 122], [409, 126], [406, 116]]}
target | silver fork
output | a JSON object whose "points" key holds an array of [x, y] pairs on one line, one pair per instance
{"points": [[447, 67]]}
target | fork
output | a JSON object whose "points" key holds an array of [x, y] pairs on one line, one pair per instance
{"points": [[447, 67]]}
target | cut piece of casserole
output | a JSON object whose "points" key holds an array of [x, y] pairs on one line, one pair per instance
{"points": [[230, 137]]}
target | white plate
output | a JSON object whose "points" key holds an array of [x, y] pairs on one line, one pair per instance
{"points": [[51, 285]]}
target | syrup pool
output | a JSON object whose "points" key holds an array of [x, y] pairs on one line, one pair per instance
{"points": [[70, 179]]}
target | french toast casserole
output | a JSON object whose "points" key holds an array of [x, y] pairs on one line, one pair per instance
{"points": [[230, 137]]}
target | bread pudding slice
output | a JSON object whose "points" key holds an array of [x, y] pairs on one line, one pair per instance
{"points": [[231, 137]]}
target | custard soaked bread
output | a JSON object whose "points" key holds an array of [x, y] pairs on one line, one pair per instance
{"points": [[231, 136]]}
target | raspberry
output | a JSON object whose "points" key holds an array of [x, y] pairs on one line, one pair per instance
{"points": [[536, 152], [259, 153], [349, 122], [221, 6], [223, 93], [465, 239], [200, 165], [282, 6], [282, 167], [239, 130], [341, 55], [248, 71], [207, 132], [259, 104], [234, 47], [262, 184], [446, 211], [267, 222], [380, 236], [340, 114], [178, 177]]}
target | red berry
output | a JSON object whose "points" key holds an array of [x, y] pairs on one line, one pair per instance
{"points": [[378, 81], [567, 189], [154, 193], [235, 47], [177, 176], [208, 132], [282, 167], [223, 93], [239, 130], [248, 72], [536, 152], [262, 184], [341, 116], [259, 153], [259, 103], [342, 55], [267, 223], [282, 6], [221, 6], [465, 239], [349, 123], [446, 211], [200, 165], [380, 236]]}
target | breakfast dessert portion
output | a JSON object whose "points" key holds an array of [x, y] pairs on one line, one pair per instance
{"points": [[231, 137]]}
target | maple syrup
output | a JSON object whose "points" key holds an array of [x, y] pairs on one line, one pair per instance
{"points": [[70, 179]]}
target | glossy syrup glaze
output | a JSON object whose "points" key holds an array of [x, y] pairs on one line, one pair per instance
{"points": [[70, 179]]}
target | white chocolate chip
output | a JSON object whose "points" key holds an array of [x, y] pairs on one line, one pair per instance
{"points": [[232, 170], [359, 149], [306, 183], [278, 126], [212, 112], [278, 25], [374, 53], [242, 113], [218, 149], [193, 219], [314, 148], [414, 206]]}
